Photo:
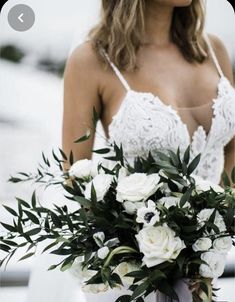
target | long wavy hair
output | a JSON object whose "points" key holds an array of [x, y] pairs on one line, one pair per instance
{"points": [[122, 26]]}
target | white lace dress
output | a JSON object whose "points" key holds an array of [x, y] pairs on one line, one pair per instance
{"points": [[149, 125]]}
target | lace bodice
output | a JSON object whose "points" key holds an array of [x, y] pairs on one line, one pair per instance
{"points": [[144, 123]]}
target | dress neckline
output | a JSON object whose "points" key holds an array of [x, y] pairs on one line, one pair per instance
{"points": [[172, 109]]}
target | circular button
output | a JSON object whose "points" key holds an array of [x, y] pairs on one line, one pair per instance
{"points": [[21, 17]]}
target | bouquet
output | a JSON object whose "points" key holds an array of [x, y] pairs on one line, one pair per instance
{"points": [[141, 227]]}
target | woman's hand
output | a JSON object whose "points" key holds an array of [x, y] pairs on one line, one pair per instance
{"points": [[199, 294]]}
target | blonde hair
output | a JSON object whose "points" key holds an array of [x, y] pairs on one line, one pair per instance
{"points": [[121, 28]]}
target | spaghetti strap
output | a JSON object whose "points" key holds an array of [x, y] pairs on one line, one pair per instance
{"points": [[213, 55], [116, 70]]}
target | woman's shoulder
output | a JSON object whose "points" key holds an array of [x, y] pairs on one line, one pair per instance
{"points": [[222, 55], [84, 57]]}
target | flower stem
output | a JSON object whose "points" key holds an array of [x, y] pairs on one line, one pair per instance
{"points": [[119, 250]]}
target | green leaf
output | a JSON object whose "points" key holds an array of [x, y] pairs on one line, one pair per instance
{"points": [[52, 267], [32, 217], [233, 175], [167, 289], [174, 158], [71, 158], [10, 210], [225, 179], [140, 289], [101, 151], [125, 298], [33, 199], [9, 242], [194, 163], [95, 117], [66, 267], [8, 227], [93, 193], [55, 157], [84, 137], [33, 232], [49, 246], [185, 197], [5, 248], [156, 275], [23, 202], [137, 274], [63, 154], [83, 216], [56, 220], [83, 201], [68, 262], [26, 256], [187, 155]]}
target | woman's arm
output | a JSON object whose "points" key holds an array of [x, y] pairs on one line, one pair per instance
{"points": [[226, 66], [81, 94]]}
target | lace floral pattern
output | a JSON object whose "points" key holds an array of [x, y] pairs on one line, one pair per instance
{"points": [[144, 123]]}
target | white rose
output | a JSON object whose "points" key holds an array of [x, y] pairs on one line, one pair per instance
{"points": [[158, 244], [165, 189], [103, 252], [204, 185], [223, 244], [148, 215], [124, 268], [131, 207], [204, 216], [95, 288], [101, 184], [99, 238], [123, 172], [83, 168], [202, 244], [112, 242], [83, 275], [76, 268], [215, 264], [137, 187], [172, 201]]}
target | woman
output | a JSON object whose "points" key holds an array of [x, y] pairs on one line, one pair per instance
{"points": [[175, 88]]}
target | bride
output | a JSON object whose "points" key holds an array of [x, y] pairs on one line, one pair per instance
{"points": [[157, 81]]}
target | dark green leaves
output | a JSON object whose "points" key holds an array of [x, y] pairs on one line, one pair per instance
{"points": [[185, 197], [225, 179], [140, 290], [32, 217], [187, 155], [33, 199], [8, 227], [233, 175], [13, 212], [194, 163], [101, 151], [26, 256], [125, 298], [83, 138], [56, 220]]}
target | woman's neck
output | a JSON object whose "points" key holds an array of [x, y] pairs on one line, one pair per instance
{"points": [[158, 20]]}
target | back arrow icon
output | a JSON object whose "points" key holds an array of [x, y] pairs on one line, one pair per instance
{"points": [[20, 18]]}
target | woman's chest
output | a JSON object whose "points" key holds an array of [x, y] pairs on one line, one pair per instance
{"points": [[144, 123]]}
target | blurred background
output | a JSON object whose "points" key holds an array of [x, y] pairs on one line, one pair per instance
{"points": [[31, 104]]}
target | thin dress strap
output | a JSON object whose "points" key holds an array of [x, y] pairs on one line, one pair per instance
{"points": [[213, 55], [116, 70]]}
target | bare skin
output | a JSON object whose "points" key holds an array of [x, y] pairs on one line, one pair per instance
{"points": [[162, 71]]}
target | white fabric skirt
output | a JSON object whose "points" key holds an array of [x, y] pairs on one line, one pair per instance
{"points": [[181, 289]]}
